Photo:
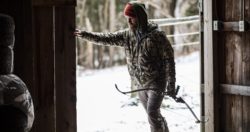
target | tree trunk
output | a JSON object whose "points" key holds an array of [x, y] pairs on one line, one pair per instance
{"points": [[186, 8], [112, 22], [89, 48]]}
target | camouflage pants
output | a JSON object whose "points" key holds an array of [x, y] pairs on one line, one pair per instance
{"points": [[151, 101]]}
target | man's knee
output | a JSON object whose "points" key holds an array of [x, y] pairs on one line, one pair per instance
{"points": [[153, 113]]}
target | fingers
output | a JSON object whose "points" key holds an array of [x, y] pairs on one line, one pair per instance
{"points": [[77, 33]]}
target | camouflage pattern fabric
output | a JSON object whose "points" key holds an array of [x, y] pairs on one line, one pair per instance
{"points": [[150, 59], [14, 92]]}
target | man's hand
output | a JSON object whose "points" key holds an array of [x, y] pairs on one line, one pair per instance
{"points": [[78, 33], [171, 91]]}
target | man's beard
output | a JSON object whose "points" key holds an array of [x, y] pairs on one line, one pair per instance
{"points": [[133, 27]]}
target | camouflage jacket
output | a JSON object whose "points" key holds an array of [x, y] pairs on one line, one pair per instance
{"points": [[150, 59], [14, 92]]}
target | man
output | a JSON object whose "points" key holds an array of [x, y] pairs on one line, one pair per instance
{"points": [[150, 59], [16, 106]]}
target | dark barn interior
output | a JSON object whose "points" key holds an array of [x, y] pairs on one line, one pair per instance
{"points": [[44, 58]]}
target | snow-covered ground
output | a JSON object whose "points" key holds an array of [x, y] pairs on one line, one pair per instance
{"points": [[100, 108]]}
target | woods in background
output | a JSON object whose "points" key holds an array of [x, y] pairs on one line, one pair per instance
{"points": [[107, 16]]}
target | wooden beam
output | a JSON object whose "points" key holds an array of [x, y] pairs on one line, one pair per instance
{"points": [[54, 2], [44, 94], [235, 89], [208, 66], [210, 69], [65, 72], [202, 101], [239, 26]]}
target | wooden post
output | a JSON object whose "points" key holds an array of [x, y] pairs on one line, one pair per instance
{"points": [[202, 103], [45, 89], [65, 71], [210, 70]]}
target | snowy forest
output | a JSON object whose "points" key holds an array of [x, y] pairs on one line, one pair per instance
{"points": [[100, 107], [107, 16]]}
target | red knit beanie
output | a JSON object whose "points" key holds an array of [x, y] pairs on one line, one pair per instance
{"points": [[129, 11]]}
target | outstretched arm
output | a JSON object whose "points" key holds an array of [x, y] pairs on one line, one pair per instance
{"points": [[170, 68], [106, 39]]}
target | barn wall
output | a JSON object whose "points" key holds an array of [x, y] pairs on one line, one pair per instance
{"points": [[228, 92], [45, 59], [234, 67], [53, 28]]}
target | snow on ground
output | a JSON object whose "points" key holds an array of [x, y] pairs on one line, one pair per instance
{"points": [[100, 108]]}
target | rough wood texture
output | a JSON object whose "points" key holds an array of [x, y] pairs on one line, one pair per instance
{"points": [[235, 89], [234, 68], [65, 72], [209, 68], [45, 90], [45, 60], [230, 26], [246, 71]]}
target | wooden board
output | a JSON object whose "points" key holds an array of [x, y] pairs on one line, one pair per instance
{"points": [[45, 60], [65, 72], [235, 89], [209, 65], [246, 72], [54, 2], [234, 69], [45, 90]]}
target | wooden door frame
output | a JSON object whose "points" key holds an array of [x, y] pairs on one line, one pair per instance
{"points": [[211, 89]]}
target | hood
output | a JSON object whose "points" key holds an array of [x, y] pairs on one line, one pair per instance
{"points": [[151, 27], [141, 15]]}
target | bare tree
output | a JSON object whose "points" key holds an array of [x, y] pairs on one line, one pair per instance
{"points": [[186, 8]]}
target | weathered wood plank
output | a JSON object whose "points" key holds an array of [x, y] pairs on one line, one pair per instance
{"points": [[210, 67], [226, 115], [246, 71], [231, 26], [65, 72], [246, 114], [233, 70], [232, 76], [230, 68], [54, 2], [232, 10], [236, 114], [45, 90], [235, 89]]}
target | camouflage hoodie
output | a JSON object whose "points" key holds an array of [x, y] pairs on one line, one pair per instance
{"points": [[13, 92], [150, 57]]}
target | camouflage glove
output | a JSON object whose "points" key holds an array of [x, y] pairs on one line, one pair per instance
{"points": [[171, 90]]}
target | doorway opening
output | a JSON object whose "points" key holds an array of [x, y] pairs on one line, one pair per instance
{"points": [[100, 107]]}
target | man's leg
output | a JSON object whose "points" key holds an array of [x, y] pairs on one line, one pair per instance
{"points": [[157, 122], [143, 98]]}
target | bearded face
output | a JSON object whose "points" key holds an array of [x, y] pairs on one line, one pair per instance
{"points": [[132, 23]]}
